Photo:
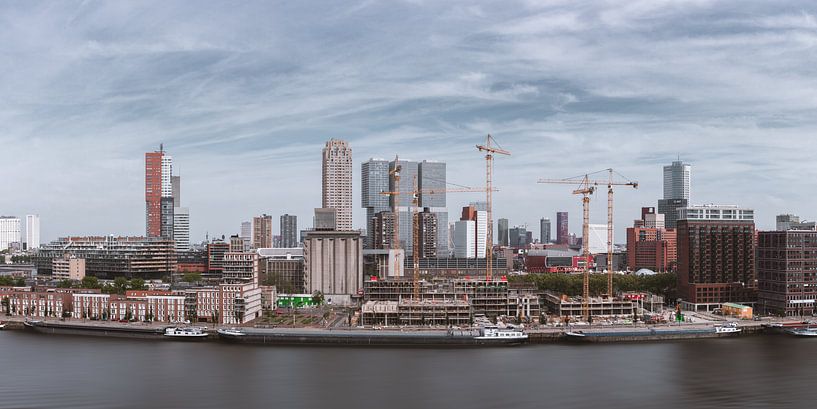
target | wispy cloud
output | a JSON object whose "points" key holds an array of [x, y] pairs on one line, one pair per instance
{"points": [[244, 95]]}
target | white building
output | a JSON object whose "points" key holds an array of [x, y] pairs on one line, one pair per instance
{"points": [[181, 228], [716, 212], [32, 231], [598, 239], [337, 182], [167, 171], [481, 235], [465, 239], [9, 231]]}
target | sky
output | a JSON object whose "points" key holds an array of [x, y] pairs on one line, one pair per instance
{"points": [[243, 95]]}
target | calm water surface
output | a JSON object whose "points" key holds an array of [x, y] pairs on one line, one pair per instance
{"points": [[38, 371]]}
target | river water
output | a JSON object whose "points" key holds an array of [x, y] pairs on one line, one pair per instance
{"points": [[40, 371]]}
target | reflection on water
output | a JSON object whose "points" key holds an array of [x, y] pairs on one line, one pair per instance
{"points": [[74, 372]]}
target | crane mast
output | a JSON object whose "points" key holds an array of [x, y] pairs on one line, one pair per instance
{"points": [[490, 151]]}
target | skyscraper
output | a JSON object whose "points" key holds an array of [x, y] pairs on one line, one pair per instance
{"points": [[246, 234], [288, 229], [676, 192], [337, 182], [502, 226], [32, 231], [544, 230], [181, 228], [158, 194], [374, 179], [471, 233], [176, 188], [262, 231], [562, 228], [428, 228], [9, 231]]}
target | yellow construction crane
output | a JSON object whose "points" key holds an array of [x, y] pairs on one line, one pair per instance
{"points": [[395, 242], [490, 151], [586, 188], [415, 194]]}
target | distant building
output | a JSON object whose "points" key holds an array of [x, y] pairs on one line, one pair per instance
{"points": [[262, 231], [68, 268], [9, 231], [502, 227], [282, 268], [288, 228], [374, 181], [518, 237], [32, 231], [181, 228], [333, 264], [236, 244], [383, 234], [716, 254], [562, 231], [598, 238], [240, 267], [473, 242], [650, 245], [215, 259], [677, 183], [159, 194], [786, 282], [428, 229], [110, 257], [325, 219], [337, 182], [792, 222], [544, 230]]}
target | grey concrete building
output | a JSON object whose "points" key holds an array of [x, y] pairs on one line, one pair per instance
{"points": [[333, 264], [544, 230], [288, 229]]}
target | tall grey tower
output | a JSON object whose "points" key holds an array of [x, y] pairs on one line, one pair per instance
{"points": [[337, 182], [374, 179], [544, 230], [288, 229], [676, 191]]}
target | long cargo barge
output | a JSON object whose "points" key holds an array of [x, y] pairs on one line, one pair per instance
{"points": [[652, 334], [85, 329]]}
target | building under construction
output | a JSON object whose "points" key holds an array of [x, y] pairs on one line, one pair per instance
{"points": [[416, 313], [566, 306], [492, 298]]}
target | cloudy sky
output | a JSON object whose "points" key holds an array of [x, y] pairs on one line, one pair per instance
{"points": [[244, 94]]}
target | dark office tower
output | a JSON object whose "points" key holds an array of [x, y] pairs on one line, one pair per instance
{"points": [[288, 229], [158, 194], [676, 192], [716, 254], [374, 180], [502, 226], [544, 230], [428, 233], [562, 228]]}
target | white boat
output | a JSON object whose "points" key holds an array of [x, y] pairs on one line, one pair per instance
{"points": [[803, 332], [231, 332], [185, 333], [731, 328], [576, 334], [3, 325], [494, 333]]}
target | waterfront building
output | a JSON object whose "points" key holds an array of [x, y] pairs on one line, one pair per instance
{"points": [[282, 268], [544, 230], [562, 232], [786, 278], [68, 267], [716, 255], [32, 232], [288, 229], [337, 182], [333, 264], [240, 267], [502, 227], [677, 183], [109, 257], [9, 231], [262, 231], [159, 194]]}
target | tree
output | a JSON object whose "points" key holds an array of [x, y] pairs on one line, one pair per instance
{"points": [[20, 282], [64, 284], [137, 284], [191, 277], [120, 284], [317, 298], [90, 282]]}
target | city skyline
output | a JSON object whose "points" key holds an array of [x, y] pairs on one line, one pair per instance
{"points": [[74, 93]]}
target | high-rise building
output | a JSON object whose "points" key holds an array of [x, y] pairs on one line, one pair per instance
{"points": [[716, 254], [676, 192], [181, 228], [544, 230], [32, 231], [333, 264], [786, 261], [158, 194], [246, 234], [465, 239], [518, 236], [337, 182], [431, 175], [176, 188], [288, 229], [383, 225], [428, 233], [9, 231], [478, 237], [562, 228], [262, 232], [792, 222], [373, 181], [502, 227]]}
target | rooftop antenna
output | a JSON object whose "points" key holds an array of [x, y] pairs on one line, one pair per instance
{"points": [[161, 147]]}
